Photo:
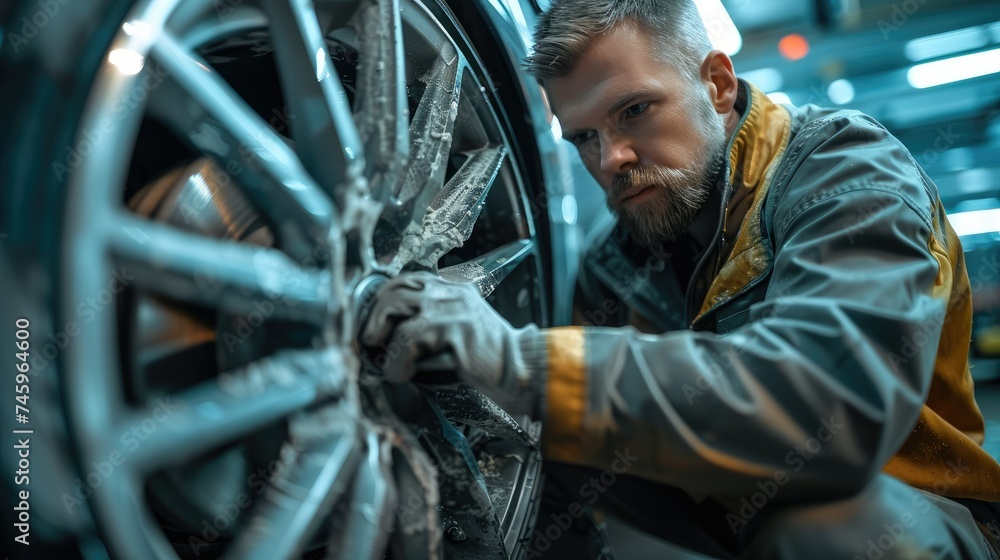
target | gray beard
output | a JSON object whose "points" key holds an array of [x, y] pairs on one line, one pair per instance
{"points": [[679, 194]]}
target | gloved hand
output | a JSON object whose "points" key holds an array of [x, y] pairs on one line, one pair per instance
{"points": [[419, 315]]}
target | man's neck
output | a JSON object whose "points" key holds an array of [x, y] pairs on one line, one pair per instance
{"points": [[706, 221]]}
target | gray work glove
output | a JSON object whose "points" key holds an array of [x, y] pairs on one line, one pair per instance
{"points": [[419, 315]]}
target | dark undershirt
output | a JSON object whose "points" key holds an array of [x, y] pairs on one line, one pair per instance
{"points": [[688, 249]]}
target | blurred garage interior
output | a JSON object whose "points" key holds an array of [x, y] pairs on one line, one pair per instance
{"points": [[929, 70]]}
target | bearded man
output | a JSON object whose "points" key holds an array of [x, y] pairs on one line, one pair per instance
{"points": [[776, 364]]}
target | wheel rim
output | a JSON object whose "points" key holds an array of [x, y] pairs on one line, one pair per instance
{"points": [[346, 180]]}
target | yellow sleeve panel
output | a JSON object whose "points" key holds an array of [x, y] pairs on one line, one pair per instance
{"points": [[943, 455], [566, 395], [952, 390], [939, 458]]}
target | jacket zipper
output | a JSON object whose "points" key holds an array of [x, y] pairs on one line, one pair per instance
{"points": [[800, 137], [717, 239]]}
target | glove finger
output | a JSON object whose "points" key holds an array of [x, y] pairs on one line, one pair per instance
{"points": [[413, 340], [412, 280], [401, 297], [390, 308], [399, 369], [392, 305], [402, 353]]}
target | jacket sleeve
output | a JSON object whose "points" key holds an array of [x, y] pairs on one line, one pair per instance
{"points": [[821, 386]]}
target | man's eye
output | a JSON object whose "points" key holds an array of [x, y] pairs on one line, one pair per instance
{"points": [[581, 138], [636, 109]]}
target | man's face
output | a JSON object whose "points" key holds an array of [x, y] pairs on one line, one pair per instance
{"points": [[650, 137]]}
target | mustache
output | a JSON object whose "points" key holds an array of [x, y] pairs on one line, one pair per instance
{"points": [[639, 178]]}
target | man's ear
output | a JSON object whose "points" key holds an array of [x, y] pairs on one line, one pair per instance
{"points": [[717, 74]]}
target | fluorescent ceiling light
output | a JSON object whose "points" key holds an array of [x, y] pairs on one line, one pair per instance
{"points": [[780, 97], [954, 69], [722, 31], [767, 79], [977, 180], [975, 222], [840, 91], [944, 44]]}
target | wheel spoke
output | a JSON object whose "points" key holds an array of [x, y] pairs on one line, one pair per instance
{"points": [[236, 277], [490, 269], [323, 126], [222, 125], [363, 524], [367, 481], [175, 428], [430, 134], [418, 532], [136, 528], [456, 208], [200, 22], [454, 211], [299, 218], [300, 497], [380, 106]]}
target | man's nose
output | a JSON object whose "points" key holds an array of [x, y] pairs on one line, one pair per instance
{"points": [[617, 154]]}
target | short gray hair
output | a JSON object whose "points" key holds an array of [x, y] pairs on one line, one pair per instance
{"points": [[565, 31]]}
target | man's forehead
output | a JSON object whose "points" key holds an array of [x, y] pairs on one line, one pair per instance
{"points": [[614, 63], [576, 92], [593, 94]]}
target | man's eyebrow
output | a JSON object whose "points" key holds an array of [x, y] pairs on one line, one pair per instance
{"points": [[569, 134], [625, 100], [622, 101]]}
